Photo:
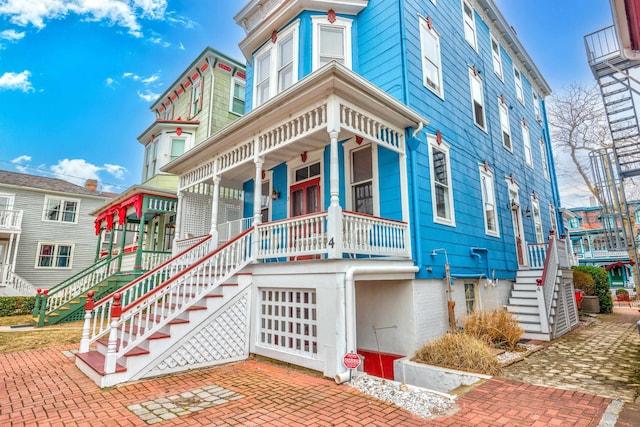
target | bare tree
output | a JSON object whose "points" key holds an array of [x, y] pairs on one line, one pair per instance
{"points": [[579, 126]]}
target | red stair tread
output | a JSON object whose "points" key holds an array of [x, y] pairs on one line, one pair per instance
{"points": [[95, 360], [135, 351]]}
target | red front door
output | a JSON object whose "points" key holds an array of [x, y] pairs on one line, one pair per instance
{"points": [[305, 197]]}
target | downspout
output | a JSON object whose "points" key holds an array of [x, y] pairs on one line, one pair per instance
{"points": [[474, 252], [413, 153], [348, 303]]}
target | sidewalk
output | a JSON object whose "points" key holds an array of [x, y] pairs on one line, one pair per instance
{"points": [[44, 388]]}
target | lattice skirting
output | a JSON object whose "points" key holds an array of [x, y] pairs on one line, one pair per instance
{"points": [[222, 338]]}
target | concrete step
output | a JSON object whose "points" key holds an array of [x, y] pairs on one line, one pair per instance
{"points": [[524, 294], [525, 287], [524, 309], [523, 302], [527, 318]]}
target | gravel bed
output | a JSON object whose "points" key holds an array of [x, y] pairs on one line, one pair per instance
{"points": [[508, 357], [420, 402]]}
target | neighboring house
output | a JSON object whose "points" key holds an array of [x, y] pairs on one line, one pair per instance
{"points": [[595, 237], [136, 229], [46, 232], [207, 96], [397, 175]]}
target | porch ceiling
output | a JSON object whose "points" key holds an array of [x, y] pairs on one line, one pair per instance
{"points": [[310, 93]]}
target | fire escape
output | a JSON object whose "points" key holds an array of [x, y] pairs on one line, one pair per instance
{"points": [[615, 71]]}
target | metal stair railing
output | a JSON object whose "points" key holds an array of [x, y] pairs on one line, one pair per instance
{"points": [[71, 288], [131, 323]]}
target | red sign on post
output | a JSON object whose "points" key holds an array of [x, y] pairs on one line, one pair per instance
{"points": [[351, 361]]}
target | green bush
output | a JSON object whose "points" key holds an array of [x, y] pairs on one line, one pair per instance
{"points": [[16, 306], [585, 282], [602, 291]]}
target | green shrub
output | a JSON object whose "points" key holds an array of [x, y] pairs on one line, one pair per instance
{"points": [[602, 291], [16, 306], [585, 282], [459, 351]]}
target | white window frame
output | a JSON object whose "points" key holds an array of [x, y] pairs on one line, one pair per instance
{"points": [[349, 148], [10, 199], [197, 96], [537, 219], [168, 111], [496, 57], [545, 160], [470, 23], [488, 191], [62, 200], [184, 148], [536, 107], [444, 148], [272, 50], [425, 34], [505, 126], [473, 78], [517, 78], [554, 219], [319, 22], [56, 246], [236, 82], [526, 145]]}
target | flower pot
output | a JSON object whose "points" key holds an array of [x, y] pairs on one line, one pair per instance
{"points": [[590, 304]]}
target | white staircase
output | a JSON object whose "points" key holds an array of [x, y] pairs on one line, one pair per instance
{"points": [[197, 317], [523, 304]]}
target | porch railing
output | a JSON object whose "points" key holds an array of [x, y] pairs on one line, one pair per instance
{"points": [[12, 280], [369, 235], [231, 229], [150, 259], [10, 219], [184, 244], [301, 235]]}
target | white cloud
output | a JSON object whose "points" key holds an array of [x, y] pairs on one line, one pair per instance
{"points": [[151, 79], [181, 46], [109, 81], [16, 81], [180, 20], [21, 159], [148, 95], [19, 163], [78, 171], [116, 170], [11, 35], [123, 13]]}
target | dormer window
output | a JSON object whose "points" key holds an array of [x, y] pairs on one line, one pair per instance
{"points": [[276, 65], [331, 41], [196, 97], [168, 112]]}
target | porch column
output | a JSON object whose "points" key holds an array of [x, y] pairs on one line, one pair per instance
{"points": [[162, 226], [257, 203], [98, 245], [178, 224], [137, 267], [122, 243], [334, 220], [15, 253], [214, 211]]}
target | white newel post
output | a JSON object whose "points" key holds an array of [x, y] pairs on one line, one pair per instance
{"points": [[542, 307], [177, 236], [334, 214], [214, 212], [111, 357], [257, 200]]}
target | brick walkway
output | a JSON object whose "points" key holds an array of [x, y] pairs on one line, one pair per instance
{"points": [[44, 388]]}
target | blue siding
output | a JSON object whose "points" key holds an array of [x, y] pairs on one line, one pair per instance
{"points": [[389, 185]]}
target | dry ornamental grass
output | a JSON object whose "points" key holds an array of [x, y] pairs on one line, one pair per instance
{"points": [[496, 328], [17, 339]]}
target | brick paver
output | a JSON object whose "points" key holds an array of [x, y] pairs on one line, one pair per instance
{"points": [[44, 388]]}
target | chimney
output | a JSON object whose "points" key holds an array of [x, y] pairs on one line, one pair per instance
{"points": [[91, 185]]}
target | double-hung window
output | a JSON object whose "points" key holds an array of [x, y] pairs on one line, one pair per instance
{"points": [[362, 180], [431, 58], [57, 209], [177, 148], [196, 96], [537, 219], [441, 190], [552, 214], [518, 82], [477, 99], [526, 144], [54, 255], [545, 162], [168, 112], [237, 96], [331, 41], [469, 24], [536, 106], [497, 57], [504, 123], [276, 65], [489, 202]]}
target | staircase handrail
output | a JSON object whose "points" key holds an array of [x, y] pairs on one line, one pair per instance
{"points": [[17, 282], [73, 286], [133, 288], [151, 311], [549, 274]]}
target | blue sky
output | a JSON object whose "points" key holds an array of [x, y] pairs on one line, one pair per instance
{"points": [[77, 77]]}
